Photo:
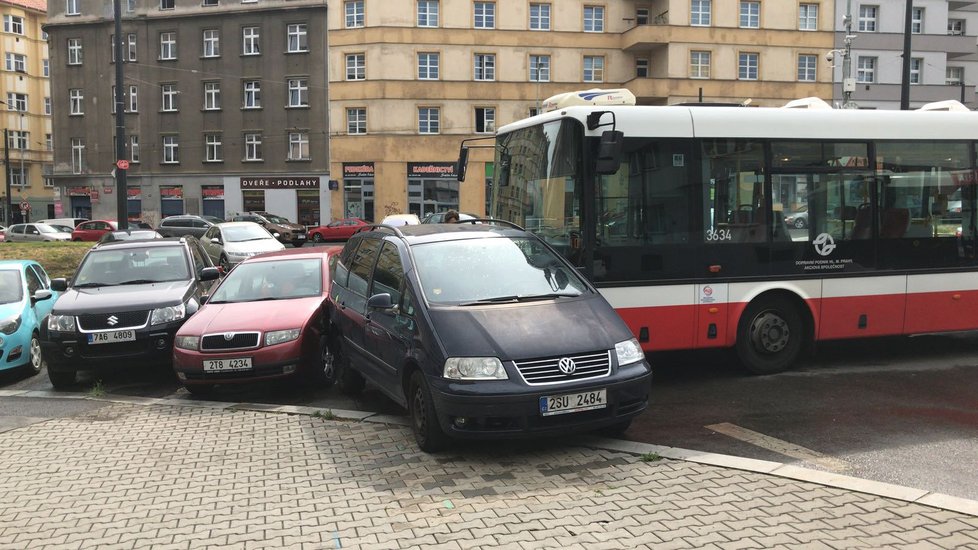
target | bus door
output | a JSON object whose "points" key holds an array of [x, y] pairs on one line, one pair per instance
{"points": [[712, 319]]}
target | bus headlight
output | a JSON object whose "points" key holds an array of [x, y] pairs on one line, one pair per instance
{"points": [[628, 352], [474, 368]]}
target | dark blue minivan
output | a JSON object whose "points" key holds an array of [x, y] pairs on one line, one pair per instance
{"points": [[481, 330]]}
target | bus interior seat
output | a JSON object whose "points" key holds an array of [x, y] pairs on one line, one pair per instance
{"points": [[894, 223], [862, 225]]}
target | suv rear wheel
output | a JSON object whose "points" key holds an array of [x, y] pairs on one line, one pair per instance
{"points": [[61, 379]]}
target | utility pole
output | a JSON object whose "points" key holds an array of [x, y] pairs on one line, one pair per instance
{"points": [[9, 203], [848, 82], [905, 82], [122, 195]]}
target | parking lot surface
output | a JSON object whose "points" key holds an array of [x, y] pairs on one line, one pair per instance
{"points": [[188, 474]]}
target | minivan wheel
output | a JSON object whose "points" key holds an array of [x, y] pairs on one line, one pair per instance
{"points": [[424, 418], [324, 373], [37, 357], [61, 379]]}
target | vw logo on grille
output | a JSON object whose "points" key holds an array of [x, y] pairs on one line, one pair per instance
{"points": [[228, 336], [112, 320], [566, 365]]}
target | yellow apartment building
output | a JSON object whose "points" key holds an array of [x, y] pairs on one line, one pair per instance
{"points": [[409, 80], [25, 94]]}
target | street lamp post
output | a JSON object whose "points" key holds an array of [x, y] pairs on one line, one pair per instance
{"points": [[9, 203]]}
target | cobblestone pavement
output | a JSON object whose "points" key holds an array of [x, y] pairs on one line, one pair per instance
{"points": [[161, 476]]}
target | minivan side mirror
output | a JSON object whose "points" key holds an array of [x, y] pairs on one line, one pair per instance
{"points": [[60, 284], [380, 301], [209, 274]]}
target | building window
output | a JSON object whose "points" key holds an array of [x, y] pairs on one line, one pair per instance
{"points": [[356, 120], [168, 100], [16, 102], [250, 41], [47, 105], [428, 120], [641, 16], [700, 13], [866, 70], [71, 7], [49, 142], [76, 101], [485, 120], [485, 66], [954, 76], [213, 148], [747, 66], [808, 17], [593, 68], [354, 14], [133, 99], [252, 94], [167, 4], [539, 17], [168, 46], [955, 27], [212, 43], [641, 68], [46, 67], [211, 3], [593, 19], [13, 24], [77, 155], [539, 68], [252, 146], [485, 15], [427, 13], [916, 69], [298, 146], [18, 176], [16, 62], [298, 38], [130, 5], [75, 51], [129, 103], [699, 64], [17, 139], [133, 148], [356, 66], [427, 66], [212, 96], [298, 92], [171, 150], [750, 15], [48, 182], [867, 18], [131, 47], [806, 67], [917, 21]]}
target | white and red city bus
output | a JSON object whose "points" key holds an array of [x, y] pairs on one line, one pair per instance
{"points": [[677, 214]]}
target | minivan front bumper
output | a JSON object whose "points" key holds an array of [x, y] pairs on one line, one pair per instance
{"points": [[479, 410]]}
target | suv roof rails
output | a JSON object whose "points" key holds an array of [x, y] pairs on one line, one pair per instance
{"points": [[492, 221]]}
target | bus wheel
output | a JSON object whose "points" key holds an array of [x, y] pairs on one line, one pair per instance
{"points": [[770, 336]]}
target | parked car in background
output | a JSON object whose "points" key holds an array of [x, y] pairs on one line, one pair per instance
{"points": [[280, 228], [439, 217], [124, 305], [3, 235], [93, 230], [62, 228], [401, 219], [178, 226], [26, 300], [70, 222], [230, 243], [35, 232], [482, 331], [129, 235], [798, 220], [338, 230], [264, 321]]}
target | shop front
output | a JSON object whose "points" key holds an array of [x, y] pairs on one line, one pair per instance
{"points": [[80, 201], [432, 187], [171, 200], [358, 190], [298, 199], [212, 199]]}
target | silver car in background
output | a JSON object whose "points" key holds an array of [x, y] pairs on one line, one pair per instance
{"points": [[35, 232], [232, 242]]}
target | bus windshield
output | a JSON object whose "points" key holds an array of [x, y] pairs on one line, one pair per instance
{"points": [[536, 180]]}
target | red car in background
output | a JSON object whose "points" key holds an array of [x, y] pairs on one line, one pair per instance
{"points": [[265, 321], [93, 230], [339, 230]]}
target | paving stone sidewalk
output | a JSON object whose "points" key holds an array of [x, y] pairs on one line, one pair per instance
{"points": [[159, 476]]}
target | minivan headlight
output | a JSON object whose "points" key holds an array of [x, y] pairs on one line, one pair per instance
{"points": [[281, 336], [10, 324], [629, 352], [474, 368], [61, 323], [187, 342], [168, 314]]}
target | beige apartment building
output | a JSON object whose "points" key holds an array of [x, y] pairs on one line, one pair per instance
{"points": [[409, 80], [25, 93]]}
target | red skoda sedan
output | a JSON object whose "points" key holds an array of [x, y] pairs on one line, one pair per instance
{"points": [[339, 230], [263, 322]]}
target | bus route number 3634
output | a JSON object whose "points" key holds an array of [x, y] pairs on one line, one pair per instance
{"points": [[718, 235]]}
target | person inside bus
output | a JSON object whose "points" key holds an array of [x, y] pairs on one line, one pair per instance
{"points": [[451, 216]]}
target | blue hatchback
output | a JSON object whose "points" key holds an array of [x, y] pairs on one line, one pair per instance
{"points": [[26, 299]]}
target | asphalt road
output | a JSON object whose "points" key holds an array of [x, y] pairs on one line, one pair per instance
{"points": [[902, 411]]}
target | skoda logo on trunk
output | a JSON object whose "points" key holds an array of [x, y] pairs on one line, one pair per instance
{"points": [[112, 320], [566, 365]]}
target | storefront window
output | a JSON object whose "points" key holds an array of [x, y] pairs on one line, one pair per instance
{"points": [[213, 199], [428, 196], [358, 198], [134, 204], [254, 200], [308, 203], [171, 200]]}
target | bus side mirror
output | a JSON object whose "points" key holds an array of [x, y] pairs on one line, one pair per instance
{"points": [[463, 161], [609, 152], [502, 172]]}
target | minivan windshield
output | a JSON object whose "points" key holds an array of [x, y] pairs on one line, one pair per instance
{"points": [[129, 266], [477, 271]]}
